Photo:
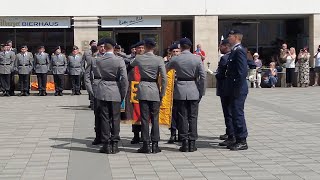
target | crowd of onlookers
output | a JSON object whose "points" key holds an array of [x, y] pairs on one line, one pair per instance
{"points": [[294, 64]]}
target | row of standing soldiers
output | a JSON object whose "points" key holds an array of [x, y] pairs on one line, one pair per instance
{"points": [[107, 82], [24, 63]]}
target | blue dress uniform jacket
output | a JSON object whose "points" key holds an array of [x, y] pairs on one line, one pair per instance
{"points": [[221, 74], [236, 73]]}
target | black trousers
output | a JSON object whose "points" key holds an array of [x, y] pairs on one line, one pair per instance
{"points": [[5, 81], [188, 119], [149, 110], [110, 120], [97, 117], [290, 75], [75, 82], [24, 82], [42, 81], [174, 117], [58, 82], [136, 128], [227, 113], [12, 84]]}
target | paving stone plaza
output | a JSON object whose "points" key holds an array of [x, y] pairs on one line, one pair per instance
{"points": [[50, 138]]}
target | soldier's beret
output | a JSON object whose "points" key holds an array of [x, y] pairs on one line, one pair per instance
{"points": [[117, 46], [58, 47], [234, 31], [40, 47], [150, 42], [140, 43], [110, 41], [185, 41], [224, 42], [174, 46]]}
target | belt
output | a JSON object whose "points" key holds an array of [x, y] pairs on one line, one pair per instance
{"points": [[58, 65], [107, 79], [25, 65], [76, 67], [41, 64], [186, 79], [148, 80], [5, 64]]}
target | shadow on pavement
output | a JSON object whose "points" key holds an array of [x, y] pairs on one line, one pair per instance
{"points": [[79, 108], [126, 146]]}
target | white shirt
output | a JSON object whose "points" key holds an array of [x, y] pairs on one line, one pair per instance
{"points": [[290, 63], [317, 62]]}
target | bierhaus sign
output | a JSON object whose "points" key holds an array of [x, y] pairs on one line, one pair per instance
{"points": [[34, 22]]}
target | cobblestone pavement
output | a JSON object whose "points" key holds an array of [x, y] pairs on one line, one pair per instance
{"points": [[50, 138]]}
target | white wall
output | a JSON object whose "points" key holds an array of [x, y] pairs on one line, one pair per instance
{"points": [[158, 7]]}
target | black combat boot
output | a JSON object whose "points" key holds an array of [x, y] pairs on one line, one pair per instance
{"points": [[239, 145], [44, 93], [60, 93], [223, 137], [184, 147], [173, 137], [56, 93], [115, 148], [145, 148], [106, 148], [192, 146], [136, 138], [228, 142], [155, 148]]}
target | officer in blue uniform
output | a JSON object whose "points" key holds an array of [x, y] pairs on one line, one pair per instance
{"points": [[236, 89], [225, 48]]}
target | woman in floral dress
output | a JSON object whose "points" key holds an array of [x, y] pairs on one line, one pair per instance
{"points": [[303, 60]]}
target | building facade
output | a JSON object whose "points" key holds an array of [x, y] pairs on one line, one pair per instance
{"points": [[265, 24]]}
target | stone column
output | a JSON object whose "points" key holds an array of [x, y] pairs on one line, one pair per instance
{"points": [[206, 34], [314, 40], [314, 35], [85, 30]]}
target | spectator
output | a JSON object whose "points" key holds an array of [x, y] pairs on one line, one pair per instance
{"points": [[252, 73], [303, 60], [200, 52], [283, 54], [317, 67], [290, 66], [270, 78], [258, 64]]}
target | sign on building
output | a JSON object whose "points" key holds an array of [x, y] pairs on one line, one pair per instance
{"points": [[131, 21], [34, 22]]}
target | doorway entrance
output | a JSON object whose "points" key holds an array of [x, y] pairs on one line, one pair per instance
{"points": [[126, 40]]}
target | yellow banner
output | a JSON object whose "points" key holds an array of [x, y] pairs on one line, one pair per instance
{"points": [[167, 101]]}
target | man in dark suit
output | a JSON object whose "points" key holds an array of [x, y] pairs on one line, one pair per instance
{"points": [[221, 78], [188, 91], [236, 89]]}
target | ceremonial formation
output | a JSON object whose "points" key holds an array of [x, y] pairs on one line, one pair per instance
{"points": [[142, 88]]}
